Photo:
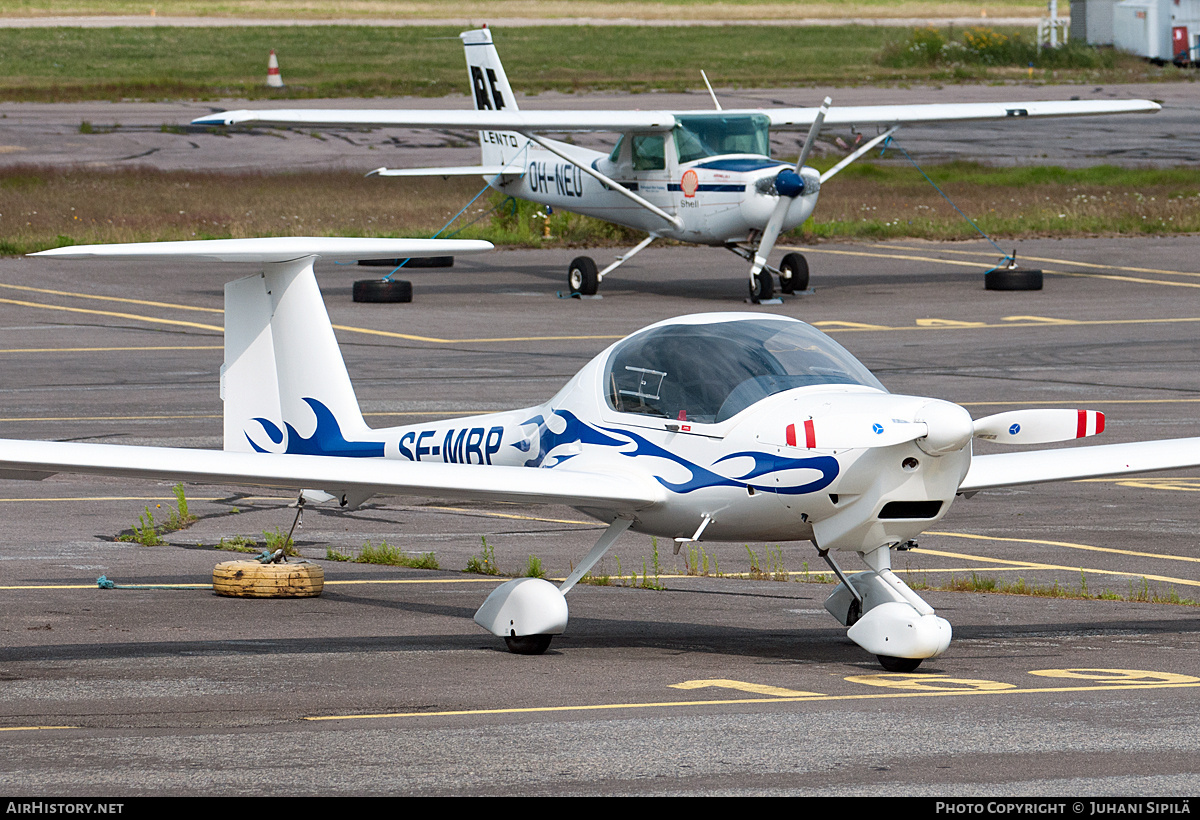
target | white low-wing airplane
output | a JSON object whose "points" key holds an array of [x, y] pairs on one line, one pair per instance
{"points": [[704, 177], [722, 426]]}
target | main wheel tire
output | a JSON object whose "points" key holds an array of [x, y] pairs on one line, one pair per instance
{"points": [[1012, 279], [413, 262], [901, 665], [250, 579], [379, 290], [528, 644], [794, 270], [582, 276], [761, 287]]}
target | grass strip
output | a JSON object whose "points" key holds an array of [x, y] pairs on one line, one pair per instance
{"points": [[49, 207], [70, 64]]}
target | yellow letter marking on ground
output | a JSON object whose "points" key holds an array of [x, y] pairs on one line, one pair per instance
{"points": [[742, 686]]}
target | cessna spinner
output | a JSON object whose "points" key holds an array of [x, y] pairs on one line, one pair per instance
{"points": [[722, 426], [704, 177]]}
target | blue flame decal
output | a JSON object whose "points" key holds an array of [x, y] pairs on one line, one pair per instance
{"points": [[326, 440]]}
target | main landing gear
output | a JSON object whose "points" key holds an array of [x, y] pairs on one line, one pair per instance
{"points": [[584, 280]]}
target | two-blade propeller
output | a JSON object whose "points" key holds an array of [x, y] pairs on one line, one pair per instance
{"points": [[861, 431], [789, 185]]}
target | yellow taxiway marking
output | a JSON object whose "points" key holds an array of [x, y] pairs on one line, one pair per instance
{"points": [[440, 341], [1027, 565], [1053, 261], [933, 259], [1190, 485], [97, 297], [742, 686], [114, 418], [813, 698], [33, 728], [1069, 545], [107, 349], [129, 316]]}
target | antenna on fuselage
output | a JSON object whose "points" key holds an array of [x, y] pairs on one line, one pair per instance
{"points": [[710, 90]]}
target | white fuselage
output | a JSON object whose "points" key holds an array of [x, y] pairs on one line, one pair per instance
{"points": [[720, 200]]}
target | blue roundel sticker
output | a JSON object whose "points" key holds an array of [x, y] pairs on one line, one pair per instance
{"points": [[1016, 428], [877, 427]]}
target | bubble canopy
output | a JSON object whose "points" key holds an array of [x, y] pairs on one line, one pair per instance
{"points": [[707, 373]]}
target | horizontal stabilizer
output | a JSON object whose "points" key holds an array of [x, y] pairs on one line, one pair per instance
{"points": [[450, 171], [339, 475], [274, 249], [1067, 464]]}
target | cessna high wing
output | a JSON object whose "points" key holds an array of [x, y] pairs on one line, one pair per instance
{"points": [[704, 177], [715, 427]]}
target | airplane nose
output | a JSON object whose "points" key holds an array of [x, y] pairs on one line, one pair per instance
{"points": [[788, 183], [950, 427]]}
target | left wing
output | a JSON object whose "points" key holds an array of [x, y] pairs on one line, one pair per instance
{"points": [[339, 476], [991, 471], [620, 121]]}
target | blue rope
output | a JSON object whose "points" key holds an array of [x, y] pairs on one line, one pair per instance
{"points": [[1006, 257]]}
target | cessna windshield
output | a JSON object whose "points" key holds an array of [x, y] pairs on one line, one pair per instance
{"points": [[707, 373], [711, 135]]}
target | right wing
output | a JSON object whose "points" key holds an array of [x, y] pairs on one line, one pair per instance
{"points": [[995, 470], [337, 475]]}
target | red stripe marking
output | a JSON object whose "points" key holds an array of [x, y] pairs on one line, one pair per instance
{"points": [[810, 435], [791, 435], [1099, 422], [1081, 424]]}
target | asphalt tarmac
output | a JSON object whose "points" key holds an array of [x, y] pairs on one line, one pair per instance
{"points": [[157, 135], [718, 684]]}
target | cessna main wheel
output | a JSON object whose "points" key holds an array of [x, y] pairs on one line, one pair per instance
{"points": [[582, 276], [793, 272], [528, 644], [380, 290]]}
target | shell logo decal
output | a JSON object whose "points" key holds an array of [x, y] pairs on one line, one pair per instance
{"points": [[689, 183]]}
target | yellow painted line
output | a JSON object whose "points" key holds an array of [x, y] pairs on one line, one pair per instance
{"points": [[246, 498], [1074, 402], [1052, 261], [99, 298], [935, 260], [743, 686], [897, 694], [1135, 279], [1032, 565], [130, 316], [487, 579], [486, 514], [113, 418], [96, 586], [435, 340], [1189, 485], [33, 728], [1069, 545], [107, 349]]}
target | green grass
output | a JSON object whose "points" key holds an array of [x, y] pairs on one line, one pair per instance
{"points": [[148, 532], [66, 64], [385, 554], [45, 207]]}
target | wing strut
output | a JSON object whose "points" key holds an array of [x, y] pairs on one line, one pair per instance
{"points": [[674, 221], [859, 152], [609, 538]]}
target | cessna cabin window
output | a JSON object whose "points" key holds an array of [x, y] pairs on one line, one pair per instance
{"points": [[615, 156], [709, 135], [708, 373], [649, 153]]}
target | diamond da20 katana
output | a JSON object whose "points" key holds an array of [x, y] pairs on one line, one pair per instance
{"points": [[715, 427]]}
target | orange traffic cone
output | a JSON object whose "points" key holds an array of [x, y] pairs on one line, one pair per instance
{"points": [[274, 80]]}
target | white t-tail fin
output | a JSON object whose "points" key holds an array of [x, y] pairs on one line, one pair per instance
{"points": [[490, 88], [284, 382]]}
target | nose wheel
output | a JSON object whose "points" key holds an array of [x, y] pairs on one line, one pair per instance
{"points": [[761, 287], [793, 273]]}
